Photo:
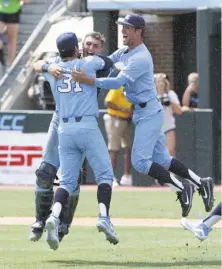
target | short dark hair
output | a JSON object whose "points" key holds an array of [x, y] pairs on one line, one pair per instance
{"points": [[97, 36], [142, 32], [67, 53]]}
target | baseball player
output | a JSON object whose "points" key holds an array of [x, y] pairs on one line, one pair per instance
{"points": [[202, 229], [92, 45], [149, 153], [79, 136]]}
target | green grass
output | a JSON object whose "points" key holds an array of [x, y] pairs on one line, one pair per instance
{"points": [[125, 204], [84, 248]]}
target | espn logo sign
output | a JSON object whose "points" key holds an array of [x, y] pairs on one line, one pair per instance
{"points": [[19, 155]]}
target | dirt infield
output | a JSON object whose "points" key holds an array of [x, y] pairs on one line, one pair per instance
{"points": [[119, 222]]}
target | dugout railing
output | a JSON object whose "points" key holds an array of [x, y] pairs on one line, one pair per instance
{"points": [[16, 79]]}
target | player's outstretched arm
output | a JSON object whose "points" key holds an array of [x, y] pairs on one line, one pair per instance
{"points": [[38, 66], [128, 75], [42, 66], [104, 83]]}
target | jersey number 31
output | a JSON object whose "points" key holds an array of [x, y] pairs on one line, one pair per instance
{"points": [[67, 85]]}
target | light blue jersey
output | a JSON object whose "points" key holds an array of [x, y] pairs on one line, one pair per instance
{"points": [[137, 75], [74, 99], [78, 133], [138, 78]]}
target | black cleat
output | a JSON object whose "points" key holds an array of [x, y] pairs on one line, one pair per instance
{"points": [[206, 190], [186, 197], [61, 235], [36, 230], [63, 230]]}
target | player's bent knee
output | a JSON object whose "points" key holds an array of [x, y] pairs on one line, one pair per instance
{"points": [[165, 163], [46, 175], [141, 166]]}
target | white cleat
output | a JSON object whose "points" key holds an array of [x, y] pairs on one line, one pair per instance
{"points": [[52, 238], [188, 225], [115, 182], [126, 180], [104, 225], [200, 230]]}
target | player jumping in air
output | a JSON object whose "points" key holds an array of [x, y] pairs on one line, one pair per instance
{"points": [[46, 173], [149, 153], [79, 136]]}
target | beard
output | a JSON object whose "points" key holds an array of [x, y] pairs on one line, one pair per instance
{"points": [[128, 43]]}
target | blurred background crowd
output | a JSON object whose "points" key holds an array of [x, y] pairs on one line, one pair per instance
{"points": [[170, 35]]}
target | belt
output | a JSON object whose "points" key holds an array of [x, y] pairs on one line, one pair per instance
{"points": [[77, 119], [142, 105]]}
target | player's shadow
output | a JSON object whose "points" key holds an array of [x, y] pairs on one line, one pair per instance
{"points": [[112, 264]]}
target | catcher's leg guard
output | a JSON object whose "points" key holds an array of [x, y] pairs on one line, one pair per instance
{"points": [[43, 203], [43, 198], [69, 209], [67, 214], [46, 175]]}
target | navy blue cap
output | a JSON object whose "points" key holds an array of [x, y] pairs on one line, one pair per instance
{"points": [[67, 41], [134, 20]]}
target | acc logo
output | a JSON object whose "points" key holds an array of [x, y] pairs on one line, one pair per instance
{"points": [[19, 155], [12, 122]]}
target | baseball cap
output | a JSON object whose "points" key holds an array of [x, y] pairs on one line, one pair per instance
{"points": [[67, 41], [134, 20]]}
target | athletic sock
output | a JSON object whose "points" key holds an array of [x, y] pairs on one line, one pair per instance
{"points": [[181, 170], [61, 197], [164, 177], [104, 194], [214, 217]]}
